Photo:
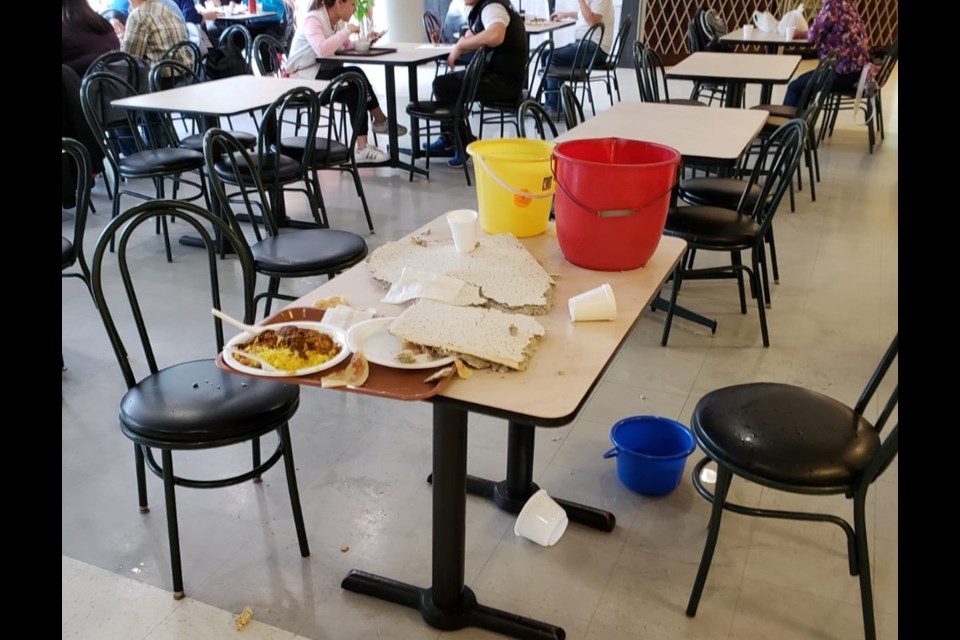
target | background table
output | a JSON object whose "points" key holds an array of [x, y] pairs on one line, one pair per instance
{"points": [[737, 69], [569, 362], [771, 42], [547, 27], [411, 56]]}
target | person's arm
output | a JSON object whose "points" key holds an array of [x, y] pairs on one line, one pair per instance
{"points": [[134, 37], [493, 34], [563, 15], [821, 25], [325, 46]]}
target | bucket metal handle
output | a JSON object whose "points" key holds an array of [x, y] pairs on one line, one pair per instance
{"points": [[613, 453], [517, 192], [607, 213]]}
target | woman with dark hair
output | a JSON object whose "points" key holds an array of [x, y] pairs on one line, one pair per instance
{"points": [[84, 35], [321, 32]]}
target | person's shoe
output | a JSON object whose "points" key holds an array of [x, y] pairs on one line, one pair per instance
{"points": [[458, 160], [384, 128], [371, 154], [442, 146]]}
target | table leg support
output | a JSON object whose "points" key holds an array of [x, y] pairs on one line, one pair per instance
{"points": [[511, 494], [449, 605]]}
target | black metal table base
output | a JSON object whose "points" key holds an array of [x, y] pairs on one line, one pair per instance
{"points": [[661, 304], [467, 613], [511, 494]]}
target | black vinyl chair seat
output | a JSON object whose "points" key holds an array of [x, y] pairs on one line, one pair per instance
{"points": [[275, 167], [327, 150], [66, 253], [781, 110], [785, 434], [195, 141], [309, 250], [154, 162], [717, 192], [685, 102], [428, 109], [568, 74], [174, 405], [713, 226]]}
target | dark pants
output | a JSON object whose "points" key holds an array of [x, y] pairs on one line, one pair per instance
{"points": [[565, 57], [841, 82], [351, 96], [493, 87]]}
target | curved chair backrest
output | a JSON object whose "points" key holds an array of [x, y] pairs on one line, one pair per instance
{"points": [[170, 73], [240, 36], [265, 53], [78, 155], [221, 147], [122, 229], [186, 53], [654, 75], [108, 123], [432, 27], [819, 93], [585, 56], [572, 109], [537, 65], [468, 88], [619, 43], [290, 109], [776, 164], [133, 71], [889, 62], [331, 100], [541, 119]]}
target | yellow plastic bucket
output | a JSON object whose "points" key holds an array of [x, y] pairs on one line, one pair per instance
{"points": [[514, 185]]}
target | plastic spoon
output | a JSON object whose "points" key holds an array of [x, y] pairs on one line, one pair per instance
{"points": [[249, 328], [266, 366]]}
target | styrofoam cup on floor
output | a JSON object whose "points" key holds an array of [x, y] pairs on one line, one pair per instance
{"points": [[463, 226], [789, 32], [595, 304], [541, 520]]}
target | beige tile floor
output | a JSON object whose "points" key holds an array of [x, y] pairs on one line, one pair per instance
{"points": [[362, 462]]}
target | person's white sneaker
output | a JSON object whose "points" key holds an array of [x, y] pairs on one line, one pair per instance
{"points": [[384, 128], [371, 154]]}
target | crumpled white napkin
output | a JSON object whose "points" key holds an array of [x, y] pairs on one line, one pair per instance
{"points": [[345, 317], [414, 283]]}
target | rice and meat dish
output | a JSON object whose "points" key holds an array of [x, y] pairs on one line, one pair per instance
{"points": [[290, 348]]}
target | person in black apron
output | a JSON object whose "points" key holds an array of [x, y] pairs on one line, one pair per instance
{"points": [[496, 26]]}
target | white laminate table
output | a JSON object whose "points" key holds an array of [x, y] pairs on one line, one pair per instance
{"points": [[771, 42], [569, 362], [546, 27], [410, 55], [701, 135], [737, 69]]}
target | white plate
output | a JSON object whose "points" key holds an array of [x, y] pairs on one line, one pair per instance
{"points": [[380, 347], [336, 332]]}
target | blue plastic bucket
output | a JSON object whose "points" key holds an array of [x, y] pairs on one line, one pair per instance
{"points": [[651, 453]]}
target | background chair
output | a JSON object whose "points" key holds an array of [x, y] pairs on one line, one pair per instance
{"points": [[723, 230], [800, 441], [190, 405], [329, 153], [578, 74], [294, 253], [438, 115], [238, 37], [265, 55], [542, 122], [609, 67], [71, 249], [186, 53], [150, 159], [504, 112], [651, 75]]}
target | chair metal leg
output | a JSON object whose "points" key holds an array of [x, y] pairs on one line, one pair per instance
{"points": [[273, 288], [677, 279], [363, 198], [290, 469], [255, 456], [173, 529], [863, 563], [141, 478], [756, 286], [737, 261], [773, 256], [720, 495]]}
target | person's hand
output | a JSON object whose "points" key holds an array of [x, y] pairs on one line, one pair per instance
{"points": [[352, 28], [376, 35], [118, 27], [454, 55], [555, 16]]}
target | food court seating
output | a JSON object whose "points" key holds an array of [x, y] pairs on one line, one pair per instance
{"points": [[609, 67], [190, 405], [578, 74]]}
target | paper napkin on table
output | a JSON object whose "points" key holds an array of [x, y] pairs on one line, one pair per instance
{"points": [[414, 283]]}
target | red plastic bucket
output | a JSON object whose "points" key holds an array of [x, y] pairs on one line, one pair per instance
{"points": [[612, 200]]}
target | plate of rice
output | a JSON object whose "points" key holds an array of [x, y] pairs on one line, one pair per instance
{"points": [[288, 348]]}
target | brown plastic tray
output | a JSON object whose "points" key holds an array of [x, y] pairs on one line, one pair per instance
{"points": [[384, 382]]}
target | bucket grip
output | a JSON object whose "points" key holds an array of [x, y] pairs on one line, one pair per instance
{"points": [[517, 192], [608, 213], [612, 453]]}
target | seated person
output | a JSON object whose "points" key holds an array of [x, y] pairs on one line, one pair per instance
{"points": [[837, 28], [454, 23], [495, 25], [84, 35], [591, 12], [325, 29], [151, 29]]}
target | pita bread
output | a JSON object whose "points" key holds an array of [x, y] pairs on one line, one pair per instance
{"points": [[355, 374]]}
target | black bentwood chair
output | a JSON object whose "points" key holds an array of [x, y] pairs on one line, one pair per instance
{"points": [[192, 405], [800, 441]]}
